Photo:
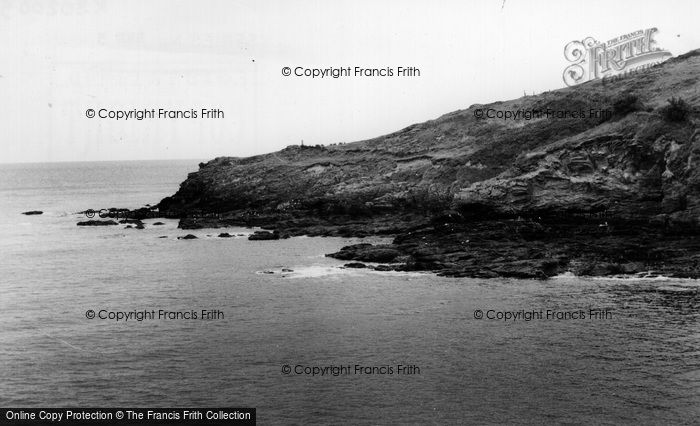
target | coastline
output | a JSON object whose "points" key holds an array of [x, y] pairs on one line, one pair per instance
{"points": [[451, 244], [466, 196]]}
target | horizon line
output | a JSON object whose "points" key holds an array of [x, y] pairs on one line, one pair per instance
{"points": [[101, 161]]}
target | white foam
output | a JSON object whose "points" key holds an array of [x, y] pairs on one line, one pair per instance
{"points": [[318, 271], [635, 277], [640, 277], [565, 275]]}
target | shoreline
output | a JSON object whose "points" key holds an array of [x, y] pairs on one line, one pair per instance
{"points": [[450, 244], [453, 244]]}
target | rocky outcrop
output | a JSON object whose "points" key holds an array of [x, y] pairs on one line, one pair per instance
{"points": [[367, 253], [526, 248], [542, 163], [638, 167], [264, 235], [614, 189], [355, 265]]}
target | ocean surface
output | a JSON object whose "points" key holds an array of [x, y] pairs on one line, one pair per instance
{"points": [[282, 303]]}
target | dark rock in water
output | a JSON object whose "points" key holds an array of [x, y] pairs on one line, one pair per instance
{"points": [[134, 221], [383, 268], [140, 226], [225, 235], [97, 223], [158, 223], [141, 213], [33, 212], [128, 227], [188, 237], [367, 253], [287, 270], [267, 271], [355, 265], [264, 235], [163, 236]]}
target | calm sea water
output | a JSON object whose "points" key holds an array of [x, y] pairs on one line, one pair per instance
{"points": [[641, 364]]}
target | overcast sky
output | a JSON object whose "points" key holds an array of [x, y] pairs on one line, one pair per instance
{"points": [[60, 58]]}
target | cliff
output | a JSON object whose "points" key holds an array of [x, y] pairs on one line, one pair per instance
{"points": [[616, 157]]}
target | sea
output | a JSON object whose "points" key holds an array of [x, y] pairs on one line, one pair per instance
{"points": [[292, 333]]}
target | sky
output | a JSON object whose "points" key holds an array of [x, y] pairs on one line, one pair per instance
{"points": [[60, 58]]}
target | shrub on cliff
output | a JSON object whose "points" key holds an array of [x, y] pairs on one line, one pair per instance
{"points": [[677, 110], [625, 104]]}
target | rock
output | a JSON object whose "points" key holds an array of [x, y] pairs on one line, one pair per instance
{"points": [[632, 267], [367, 253], [33, 212], [158, 223], [128, 227], [598, 269], [140, 226], [383, 268], [163, 236], [188, 237], [134, 221], [355, 265], [97, 223], [287, 270], [225, 235], [264, 235]]}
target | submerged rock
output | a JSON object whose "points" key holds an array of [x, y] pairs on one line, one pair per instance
{"points": [[33, 212], [225, 235], [355, 265]]}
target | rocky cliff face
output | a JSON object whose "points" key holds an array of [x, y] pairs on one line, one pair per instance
{"points": [[634, 162], [619, 150]]}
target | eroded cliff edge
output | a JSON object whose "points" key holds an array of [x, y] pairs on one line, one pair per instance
{"points": [[610, 193]]}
